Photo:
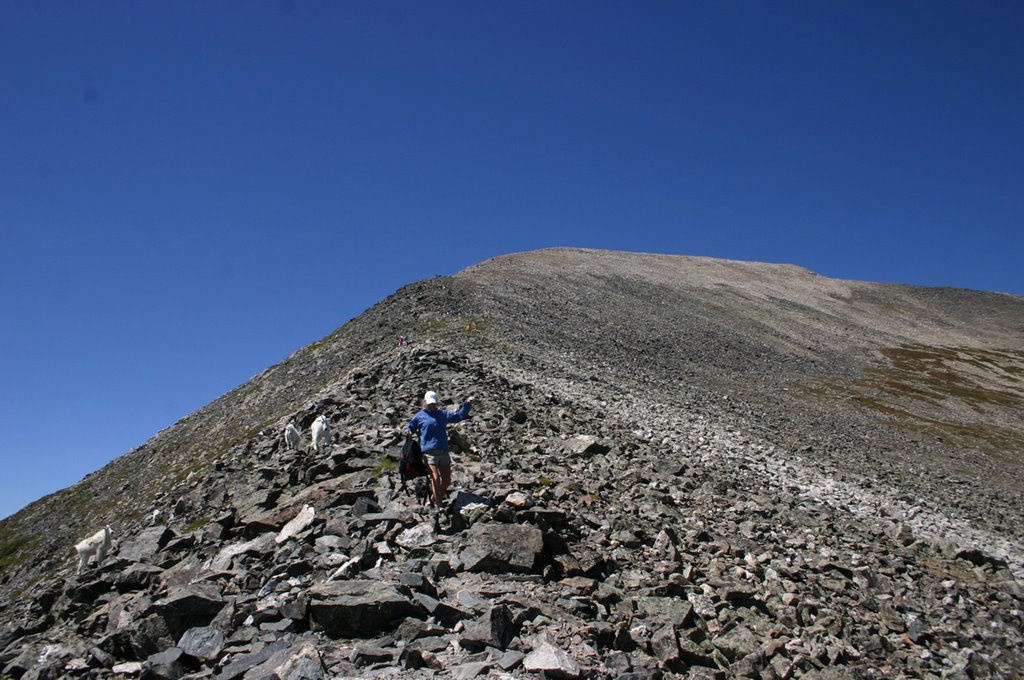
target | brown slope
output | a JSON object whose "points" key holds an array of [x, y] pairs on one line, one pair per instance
{"points": [[921, 385]]}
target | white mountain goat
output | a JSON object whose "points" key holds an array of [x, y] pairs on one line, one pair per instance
{"points": [[321, 434], [98, 544], [292, 436]]}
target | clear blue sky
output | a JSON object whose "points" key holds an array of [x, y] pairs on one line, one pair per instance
{"points": [[191, 191]]}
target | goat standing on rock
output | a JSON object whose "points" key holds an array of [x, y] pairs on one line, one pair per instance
{"points": [[98, 544], [321, 434], [292, 436]]}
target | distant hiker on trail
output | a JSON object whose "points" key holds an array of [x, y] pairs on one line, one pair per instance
{"points": [[430, 424]]}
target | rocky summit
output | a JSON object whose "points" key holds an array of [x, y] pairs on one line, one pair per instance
{"points": [[674, 467]]}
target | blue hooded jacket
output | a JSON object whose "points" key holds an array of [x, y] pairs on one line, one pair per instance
{"points": [[431, 426]]}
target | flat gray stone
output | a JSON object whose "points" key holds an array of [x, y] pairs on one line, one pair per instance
{"points": [[359, 608], [499, 548], [551, 660], [202, 642]]}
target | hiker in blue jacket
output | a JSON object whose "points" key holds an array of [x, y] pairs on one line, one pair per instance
{"points": [[430, 424]]}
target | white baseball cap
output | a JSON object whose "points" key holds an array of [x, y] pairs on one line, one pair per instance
{"points": [[430, 397]]}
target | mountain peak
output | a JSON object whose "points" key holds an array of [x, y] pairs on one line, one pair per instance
{"points": [[673, 465]]}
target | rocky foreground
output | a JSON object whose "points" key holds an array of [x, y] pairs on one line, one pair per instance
{"points": [[594, 532]]}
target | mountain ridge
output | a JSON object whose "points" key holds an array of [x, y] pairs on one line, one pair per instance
{"points": [[760, 358]]}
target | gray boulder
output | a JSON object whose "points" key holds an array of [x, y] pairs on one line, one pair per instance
{"points": [[201, 599], [494, 629], [147, 544], [502, 548], [358, 609], [585, 444], [300, 661], [202, 642], [165, 665], [552, 661], [243, 663]]}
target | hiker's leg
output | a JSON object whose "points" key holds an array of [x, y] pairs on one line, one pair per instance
{"points": [[446, 479], [435, 484]]}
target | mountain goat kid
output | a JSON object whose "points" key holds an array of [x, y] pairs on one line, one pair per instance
{"points": [[321, 433], [292, 436], [98, 544]]}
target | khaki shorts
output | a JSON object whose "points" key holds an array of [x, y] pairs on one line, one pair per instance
{"points": [[437, 457]]}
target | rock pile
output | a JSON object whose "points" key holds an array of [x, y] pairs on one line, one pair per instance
{"points": [[591, 533]]}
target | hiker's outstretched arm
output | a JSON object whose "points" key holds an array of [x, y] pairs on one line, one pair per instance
{"points": [[461, 414]]}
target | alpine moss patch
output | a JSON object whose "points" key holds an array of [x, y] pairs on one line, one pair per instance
{"points": [[953, 394], [15, 549]]}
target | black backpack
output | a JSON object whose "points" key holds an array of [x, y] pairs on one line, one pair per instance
{"points": [[411, 465]]}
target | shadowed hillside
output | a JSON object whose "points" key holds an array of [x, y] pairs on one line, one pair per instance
{"points": [[730, 468]]}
